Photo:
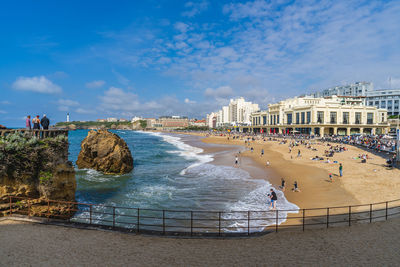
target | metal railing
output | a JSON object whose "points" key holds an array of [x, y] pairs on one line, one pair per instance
{"points": [[201, 223], [37, 133]]}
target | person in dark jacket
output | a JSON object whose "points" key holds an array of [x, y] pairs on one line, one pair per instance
{"points": [[45, 122]]}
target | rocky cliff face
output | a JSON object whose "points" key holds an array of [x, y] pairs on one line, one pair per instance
{"points": [[106, 152], [36, 168]]}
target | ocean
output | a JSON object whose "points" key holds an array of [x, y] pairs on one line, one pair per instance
{"points": [[173, 175]]}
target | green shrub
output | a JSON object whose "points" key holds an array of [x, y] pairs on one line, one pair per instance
{"points": [[44, 177]]}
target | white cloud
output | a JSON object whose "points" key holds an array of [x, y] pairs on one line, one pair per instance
{"points": [[182, 27], [220, 92], [5, 102], [85, 111], [188, 101], [95, 84], [3, 112], [194, 8], [66, 104], [39, 84]]}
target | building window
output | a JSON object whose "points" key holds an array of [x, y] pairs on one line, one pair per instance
{"points": [[370, 118], [345, 118], [289, 118], [333, 116], [303, 118], [277, 119], [383, 104], [370, 103], [297, 118], [308, 117], [264, 120], [383, 117], [358, 118], [320, 117]]}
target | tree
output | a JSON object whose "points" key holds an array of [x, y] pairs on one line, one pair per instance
{"points": [[143, 123]]}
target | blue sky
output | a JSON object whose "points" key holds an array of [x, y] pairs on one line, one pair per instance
{"points": [[98, 59]]}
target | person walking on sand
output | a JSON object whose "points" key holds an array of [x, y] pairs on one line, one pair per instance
{"points": [[28, 123], [299, 154], [330, 177], [236, 161], [283, 182], [340, 169], [295, 188], [273, 198], [268, 163], [45, 122], [262, 152]]}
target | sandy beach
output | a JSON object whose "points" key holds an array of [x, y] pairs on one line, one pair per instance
{"points": [[362, 183]]}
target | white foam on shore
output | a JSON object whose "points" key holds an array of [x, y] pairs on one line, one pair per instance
{"points": [[187, 151]]}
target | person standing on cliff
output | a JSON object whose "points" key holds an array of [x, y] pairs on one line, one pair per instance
{"points": [[36, 123], [45, 122], [28, 123]]}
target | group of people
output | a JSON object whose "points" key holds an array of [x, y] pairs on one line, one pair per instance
{"points": [[37, 123]]}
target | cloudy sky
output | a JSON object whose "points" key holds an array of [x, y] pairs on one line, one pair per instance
{"points": [[97, 59]]}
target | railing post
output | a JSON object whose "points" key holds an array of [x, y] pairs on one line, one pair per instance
{"points": [[349, 215], [191, 223], [386, 214], [48, 210], [113, 217], [304, 218], [90, 214], [163, 221], [10, 205], [277, 221], [219, 223], [370, 213], [327, 217], [138, 221], [248, 222]]}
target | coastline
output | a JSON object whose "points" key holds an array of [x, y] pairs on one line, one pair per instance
{"points": [[361, 184]]}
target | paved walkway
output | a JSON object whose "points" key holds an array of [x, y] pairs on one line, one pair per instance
{"points": [[27, 244]]}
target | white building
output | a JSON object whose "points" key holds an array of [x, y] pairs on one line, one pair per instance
{"points": [[322, 116], [112, 119], [211, 120], [385, 98], [353, 89], [135, 119], [238, 112]]}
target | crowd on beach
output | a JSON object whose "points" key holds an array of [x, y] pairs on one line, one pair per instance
{"points": [[36, 123]]}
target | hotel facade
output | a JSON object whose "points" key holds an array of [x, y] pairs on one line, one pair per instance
{"points": [[320, 116]]}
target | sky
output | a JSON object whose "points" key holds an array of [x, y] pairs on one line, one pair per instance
{"points": [[99, 59]]}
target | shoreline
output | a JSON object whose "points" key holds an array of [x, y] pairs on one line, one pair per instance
{"points": [[361, 183]]}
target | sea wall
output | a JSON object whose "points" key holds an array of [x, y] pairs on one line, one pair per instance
{"points": [[36, 168]]}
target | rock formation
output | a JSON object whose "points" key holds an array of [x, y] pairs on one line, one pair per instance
{"points": [[36, 169], [106, 152]]}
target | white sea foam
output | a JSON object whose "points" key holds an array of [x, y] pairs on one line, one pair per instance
{"points": [[187, 151]]}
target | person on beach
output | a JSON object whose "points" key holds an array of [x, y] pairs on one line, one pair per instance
{"points": [[45, 122], [340, 169], [283, 182], [273, 198], [299, 154], [236, 161], [295, 188], [262, 152], [267, 163], [36, 123], [28, 123], [330, 177]]}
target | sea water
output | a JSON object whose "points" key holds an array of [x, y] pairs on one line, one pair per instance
{"points": [[170, 174]]}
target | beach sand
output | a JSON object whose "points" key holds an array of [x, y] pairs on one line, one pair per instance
{"points": [[362, 183], [27, 244]]}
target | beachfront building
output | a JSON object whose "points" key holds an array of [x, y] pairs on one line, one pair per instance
{"points": [[237, 113], [385, 98], [353, 89], [211, 120], [173, 122], [320, 116]]}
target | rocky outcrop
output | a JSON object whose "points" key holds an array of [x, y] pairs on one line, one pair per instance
{"points": [[106, 152], [36, 168]]}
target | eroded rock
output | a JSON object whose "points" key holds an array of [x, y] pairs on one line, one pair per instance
{"points": [[106, 152]]}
